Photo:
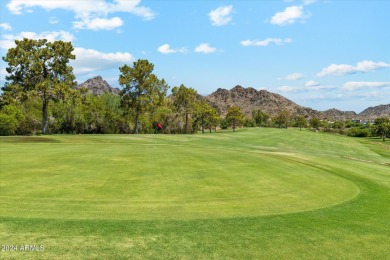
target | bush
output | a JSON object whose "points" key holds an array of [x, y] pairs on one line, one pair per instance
{"points": [[8, 124], [224, 124], [358, 132], [10, 119]]}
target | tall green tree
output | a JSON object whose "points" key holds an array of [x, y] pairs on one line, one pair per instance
{"points": [[203, 111], [235, 117], [40, 68], [206, 115], [184, 101], [315, 123], [283, 118], [259, 117], [213, 119], [382, 127], [142, 90], [301, 122]]}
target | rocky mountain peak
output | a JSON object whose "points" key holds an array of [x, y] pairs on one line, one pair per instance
{"points": [[98, 86], [249, 99], [377, 111]]}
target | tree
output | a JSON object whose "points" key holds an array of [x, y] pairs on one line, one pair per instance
{"points": [[206, 115], [301, 121], [382, 127], [203, 112], [40, 68], [213, 119], [235, 117], [283, 118], [142, 91], [259, 117], [184, 100], [315, 123]]}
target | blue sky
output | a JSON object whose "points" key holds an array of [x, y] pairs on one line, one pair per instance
{"points": [[320, 54]]}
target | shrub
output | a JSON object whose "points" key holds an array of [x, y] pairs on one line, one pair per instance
{"points": [[224, 124], [8, 124], [358, 132]]}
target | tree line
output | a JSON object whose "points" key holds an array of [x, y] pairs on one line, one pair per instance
{"points": [[39, 96]]}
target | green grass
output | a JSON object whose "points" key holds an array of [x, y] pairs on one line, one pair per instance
{"points": [[256, 193]]}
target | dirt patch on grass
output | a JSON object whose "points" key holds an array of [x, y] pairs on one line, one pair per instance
{"points": [[27, 139]]}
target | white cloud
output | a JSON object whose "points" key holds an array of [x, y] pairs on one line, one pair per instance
{"points": [[356, 85], [8, 40], [312, 83], [89, 60], [94, 12], [6, 26], [342, 69], [221, 15], [205, 48], [53, 20], [166, 49], [98, 24], [266, 42], [290, 15], [309, 86], [293, 76], [308, 2], [288, 89]]}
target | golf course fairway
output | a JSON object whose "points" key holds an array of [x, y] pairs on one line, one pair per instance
{"points": [[254, 193]]}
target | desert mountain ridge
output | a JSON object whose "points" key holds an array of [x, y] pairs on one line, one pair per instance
{"points": [[98, 86], [249, 99]]}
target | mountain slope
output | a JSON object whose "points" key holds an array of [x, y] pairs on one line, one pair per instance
{"points": [[98, 86], [377, 111], [249, 99]]}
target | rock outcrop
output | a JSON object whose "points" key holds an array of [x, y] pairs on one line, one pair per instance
{"points": [[98, 86], [374, 112], [335, 115], [249, 99]]}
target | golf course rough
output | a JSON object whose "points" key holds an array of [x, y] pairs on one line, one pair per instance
{"points": [[256, 174]]}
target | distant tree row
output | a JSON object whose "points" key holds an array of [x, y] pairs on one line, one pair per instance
{"points": [[39, 96]]}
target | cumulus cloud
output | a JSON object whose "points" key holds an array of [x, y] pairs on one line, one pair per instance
{"points": [[205, 48], [343, 69], [94, 12], [90, 60], [309, 86], [166, 49], [6, 26], [221, 15], [357, 85], [288, 89], [87, 60], [290, 15], [8, 40], [266, 42], [293, 76], [312, 83], [98, 24]]}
